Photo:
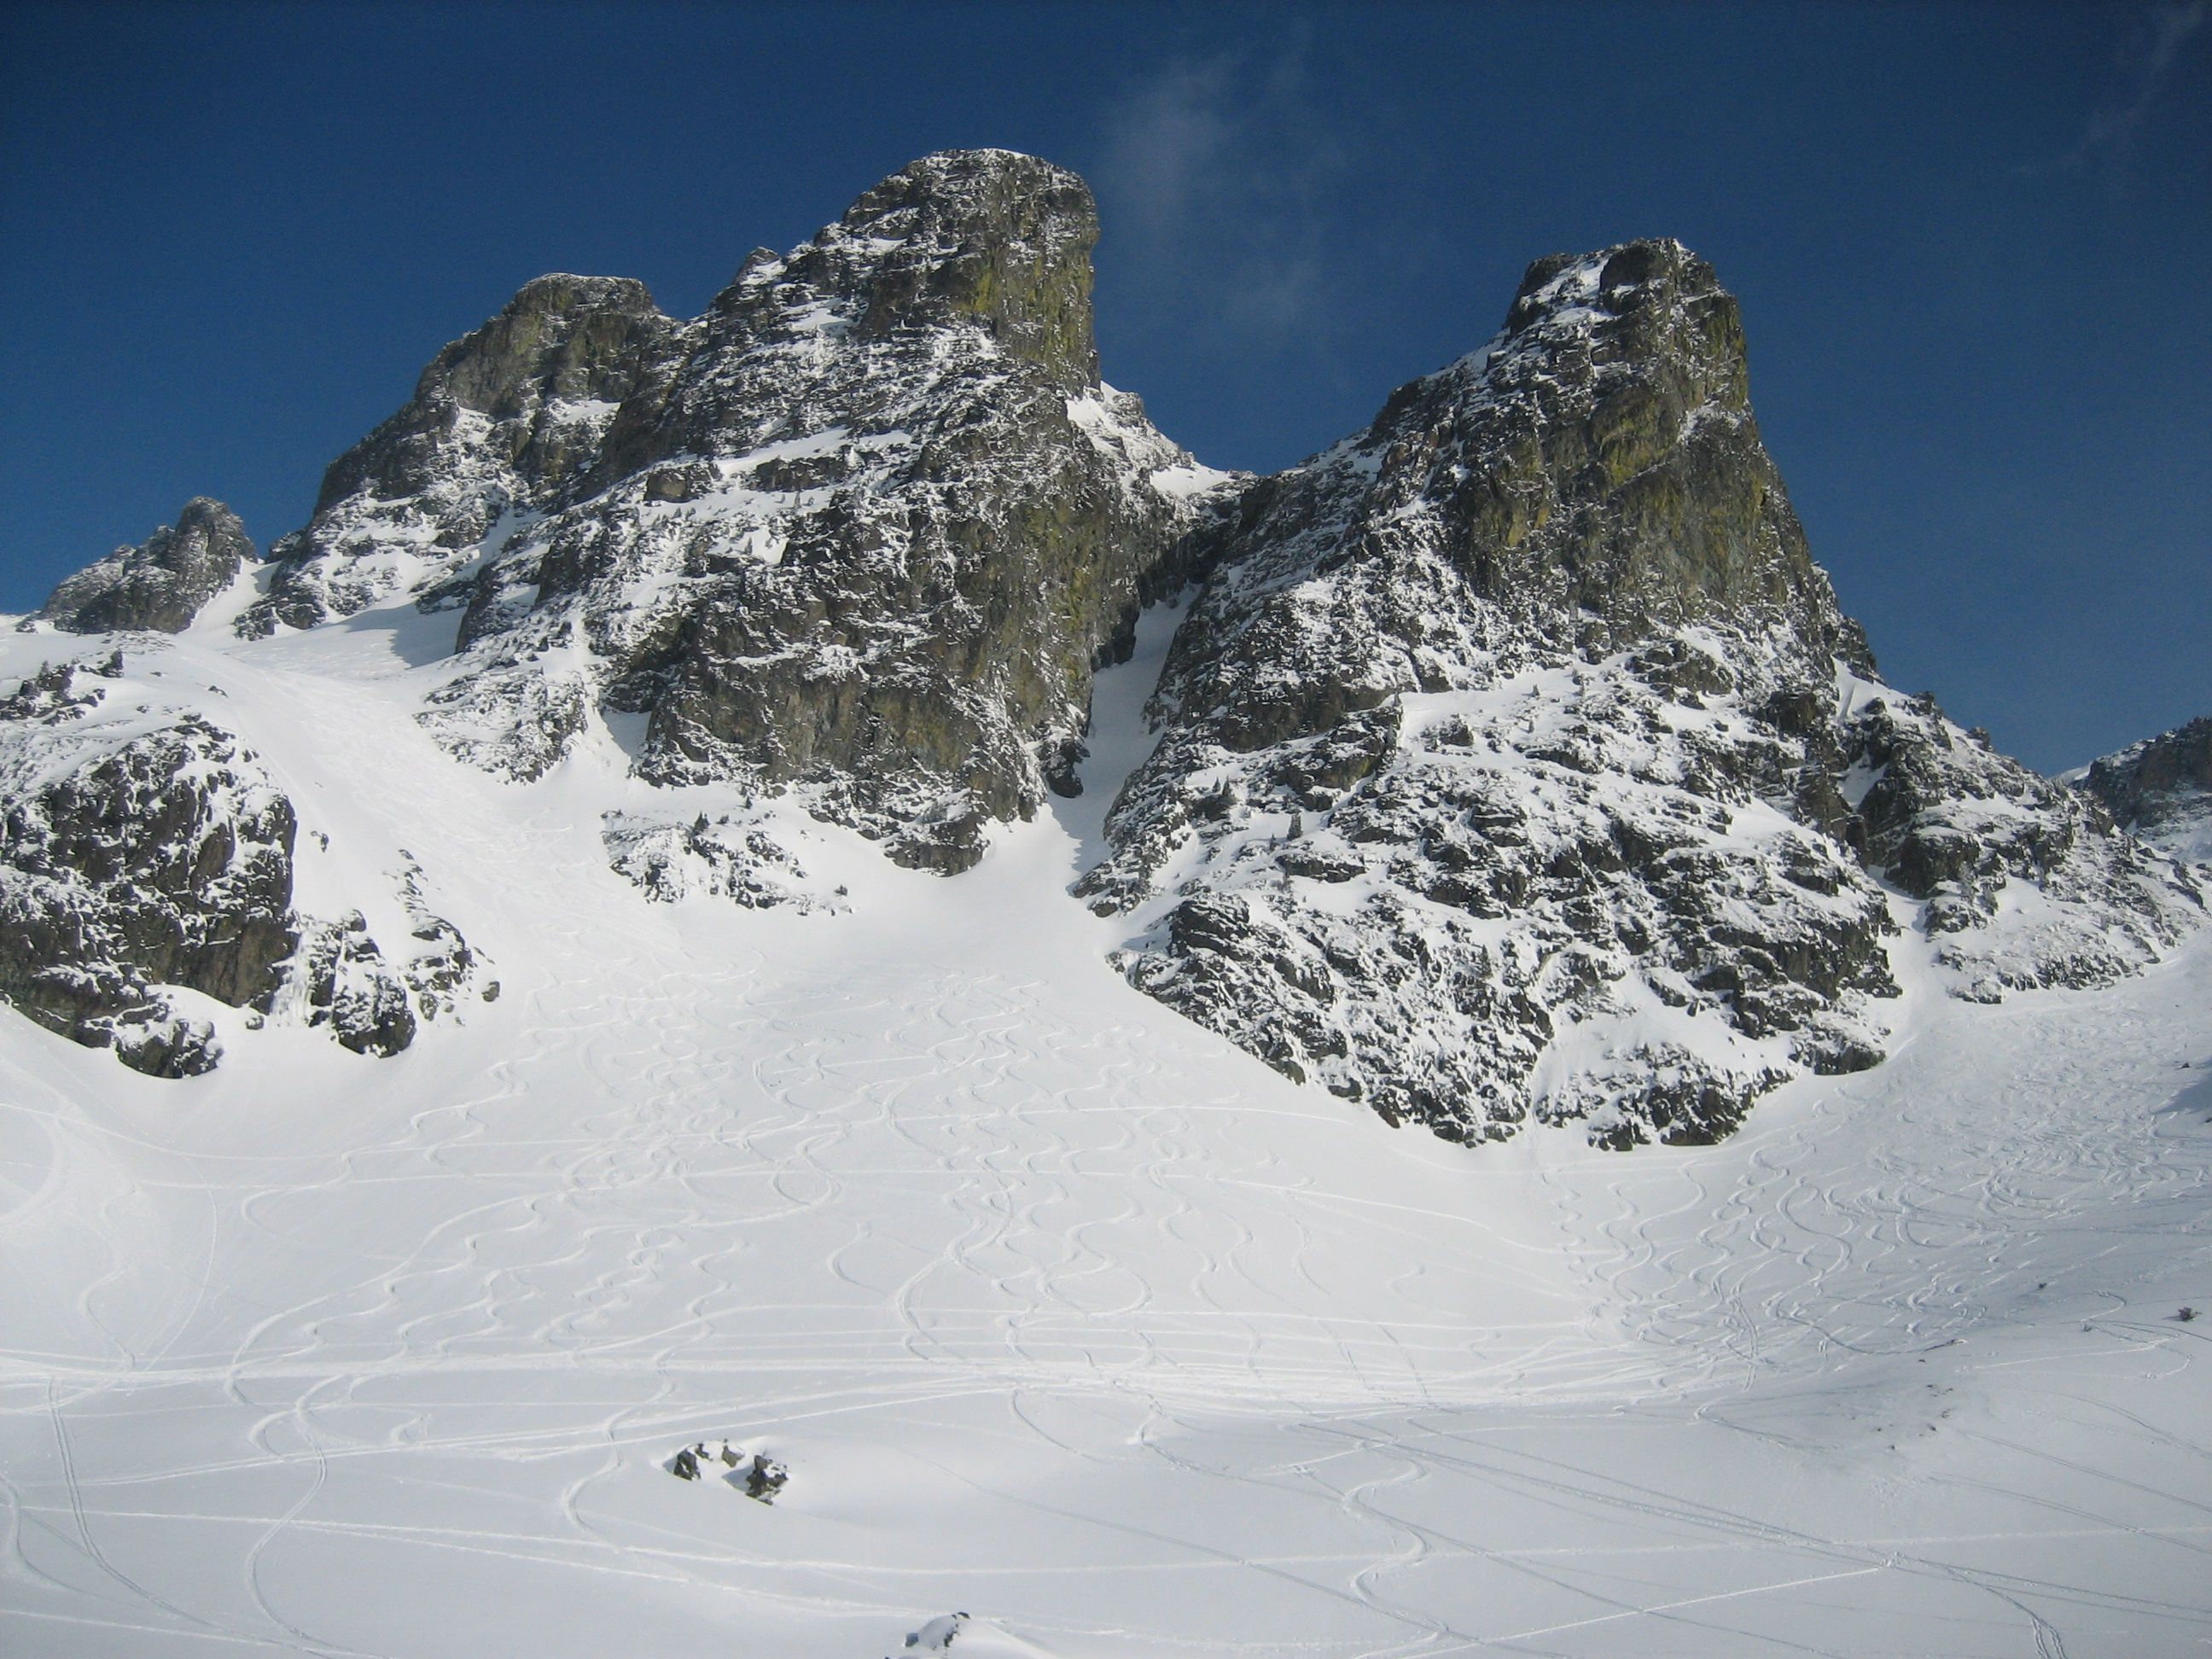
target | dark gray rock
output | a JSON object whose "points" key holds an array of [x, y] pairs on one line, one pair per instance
{"points": [[2160, 789], [765, 1478], [160, 585], [2025, 883], [345, 983], [729, 855]]}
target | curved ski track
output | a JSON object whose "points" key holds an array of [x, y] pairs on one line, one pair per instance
{"points": [[1063, 1312]]}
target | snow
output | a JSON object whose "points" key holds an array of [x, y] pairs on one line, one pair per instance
{"points": [[1060, 1309]]}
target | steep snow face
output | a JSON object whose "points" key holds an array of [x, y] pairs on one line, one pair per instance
{"points": [[1515, 758], [2161, 790], [161, 585]]}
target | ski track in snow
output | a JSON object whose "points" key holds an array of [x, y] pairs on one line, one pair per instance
{"points": [[1060, 1310]]}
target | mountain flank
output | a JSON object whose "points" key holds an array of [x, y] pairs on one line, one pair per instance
{"points": [[1513, 762]]}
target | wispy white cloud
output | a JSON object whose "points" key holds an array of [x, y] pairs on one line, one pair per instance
{"points": [[2147, 58], [1215, 180]]}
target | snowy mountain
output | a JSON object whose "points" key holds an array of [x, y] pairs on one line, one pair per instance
{"points": [[864, 529], [799, 900], [2160, 789], [1516, 759]]}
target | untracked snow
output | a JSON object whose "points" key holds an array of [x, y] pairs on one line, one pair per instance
{"points": [[1061, 1312]]}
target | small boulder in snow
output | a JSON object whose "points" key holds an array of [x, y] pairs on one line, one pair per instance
{"points": [[936, 1635]]}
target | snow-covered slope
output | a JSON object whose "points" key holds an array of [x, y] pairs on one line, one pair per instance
{"points": [[1060, 1310], [1509, 768]]}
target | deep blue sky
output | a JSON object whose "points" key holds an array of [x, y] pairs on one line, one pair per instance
{"points": [[1973, 243]]}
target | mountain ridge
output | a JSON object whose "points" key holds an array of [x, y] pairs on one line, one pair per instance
{"points": [[1514, 760]]}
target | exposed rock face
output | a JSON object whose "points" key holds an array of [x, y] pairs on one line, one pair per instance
{"points": [[135, 854], [867, 533], [864, 530], [1516, 759], [2161, 790], [144, 848], [160, 585], [500, 422], [2026, 884]]}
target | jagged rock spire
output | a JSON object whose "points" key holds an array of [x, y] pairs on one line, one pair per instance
{"points": [[160, 585], [1516, 761]]}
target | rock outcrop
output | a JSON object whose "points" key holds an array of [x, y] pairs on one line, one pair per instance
{"points": [[145, 851], [135, 854], [500, 422], [2160, 789], [1517, 761], [160, 585]]}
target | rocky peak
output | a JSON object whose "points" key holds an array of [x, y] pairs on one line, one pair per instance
{"points": [[866, 531], [561, 337], [957, 252], [983, 233], [1601, 463], [501, 422], [160, 585], [1516, 761], [2160, 789]]}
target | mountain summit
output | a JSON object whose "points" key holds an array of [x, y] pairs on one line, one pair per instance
{"points": [[864, 529], [1512, 761], [1516, 760]]}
